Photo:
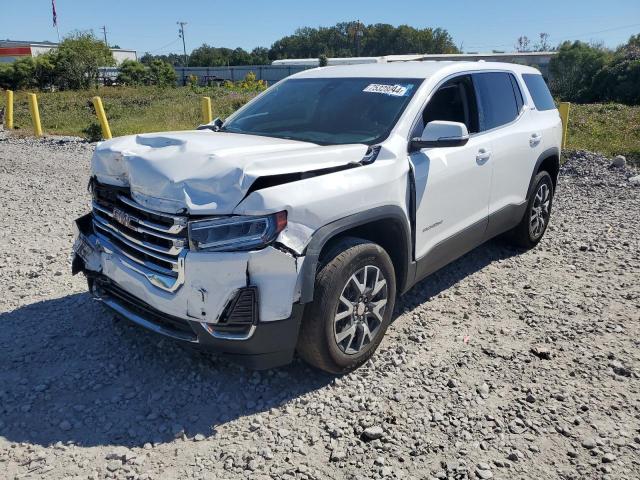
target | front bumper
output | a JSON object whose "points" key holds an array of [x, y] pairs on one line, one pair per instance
{"points": [[261, 285]]}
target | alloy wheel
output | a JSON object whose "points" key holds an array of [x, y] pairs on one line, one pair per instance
{"points": [[540, 211], [360, 310]]}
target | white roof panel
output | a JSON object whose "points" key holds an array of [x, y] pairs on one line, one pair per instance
{"points": [[417, 69]]}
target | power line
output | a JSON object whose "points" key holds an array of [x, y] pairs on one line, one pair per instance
{"points": [[570, 37], [602, 31], [184, 47], [177, 39]]}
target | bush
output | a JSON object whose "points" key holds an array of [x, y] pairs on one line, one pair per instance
{"points": [[23, 73], [619, 80], [45, 70], [93, 132], [132, 73], [192, 81], [249, 84], [573, 69], [161, 74], [156, 72]]}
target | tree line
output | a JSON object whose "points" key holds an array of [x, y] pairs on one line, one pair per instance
{"points": [[346, 39]]}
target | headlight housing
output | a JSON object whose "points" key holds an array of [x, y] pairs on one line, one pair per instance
{"points": [[236, 233]]}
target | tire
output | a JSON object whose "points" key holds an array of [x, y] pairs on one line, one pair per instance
{"points": [[529, 232], [333, 326]]}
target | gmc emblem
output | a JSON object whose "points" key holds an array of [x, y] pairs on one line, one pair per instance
{"points": [[121, 217]]}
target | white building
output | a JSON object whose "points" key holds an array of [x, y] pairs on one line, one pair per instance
{"points": [[12, 50]]}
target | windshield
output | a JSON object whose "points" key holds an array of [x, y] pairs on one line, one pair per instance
{"points": [[327, 111]]}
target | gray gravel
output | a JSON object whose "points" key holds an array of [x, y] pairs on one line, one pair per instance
{"points": [[502, 365]]}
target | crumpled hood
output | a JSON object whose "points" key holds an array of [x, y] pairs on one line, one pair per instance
{"points": [[205, 172]]}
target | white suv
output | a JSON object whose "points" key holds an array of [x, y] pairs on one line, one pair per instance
{"points": [[294, 224]]}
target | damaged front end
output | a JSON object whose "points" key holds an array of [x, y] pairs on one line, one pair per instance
{"points": [[145, 266]]}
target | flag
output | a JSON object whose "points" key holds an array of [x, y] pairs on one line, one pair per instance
{"points": [[55, 15]]}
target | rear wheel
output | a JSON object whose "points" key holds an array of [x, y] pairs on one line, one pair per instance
{"points": [[536, 218], [353, 303]]}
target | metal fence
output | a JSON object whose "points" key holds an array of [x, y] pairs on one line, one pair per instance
{"points": [[212, 75]]}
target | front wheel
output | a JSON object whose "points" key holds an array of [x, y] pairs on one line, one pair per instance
{"points": [[354, 296], [536, 218]]}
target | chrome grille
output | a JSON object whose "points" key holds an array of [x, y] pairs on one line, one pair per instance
{"points": [[150, 242]]}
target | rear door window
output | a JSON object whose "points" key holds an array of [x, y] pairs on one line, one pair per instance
{"points": [[497, 103], [539, 91]]}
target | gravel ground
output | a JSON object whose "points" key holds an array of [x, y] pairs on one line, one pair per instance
{"points": [[502, 365]]}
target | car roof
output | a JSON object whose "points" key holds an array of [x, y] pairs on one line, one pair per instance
{"points": [[412, 69]]}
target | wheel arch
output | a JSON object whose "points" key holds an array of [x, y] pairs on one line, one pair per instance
{"points": [[548, 161], [388, 226]]}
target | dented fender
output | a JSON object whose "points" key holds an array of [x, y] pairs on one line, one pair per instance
{"points": [[314, 202]]}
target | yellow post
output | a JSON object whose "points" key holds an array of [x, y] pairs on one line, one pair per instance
{"points": [[35, 114], [564, 115], [9, 110], [102, 118], [207, 116]]}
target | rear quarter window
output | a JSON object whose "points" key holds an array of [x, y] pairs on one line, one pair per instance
{"points": [[539, 91]]}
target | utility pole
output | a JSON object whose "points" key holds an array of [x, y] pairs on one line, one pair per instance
{"points": [[104, 32], [358, 34], [184, 47]]}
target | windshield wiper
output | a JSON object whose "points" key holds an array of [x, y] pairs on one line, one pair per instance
{"points": [[215, 125]]}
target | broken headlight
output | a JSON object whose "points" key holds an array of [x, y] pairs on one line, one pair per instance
{"points": [[236, 233]]}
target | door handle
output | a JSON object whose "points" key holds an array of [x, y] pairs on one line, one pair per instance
{"points": [[483, 155], [535, 139]]}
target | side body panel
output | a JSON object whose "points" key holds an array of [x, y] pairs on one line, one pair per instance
{"points": [[452, 193], [514, 156]]}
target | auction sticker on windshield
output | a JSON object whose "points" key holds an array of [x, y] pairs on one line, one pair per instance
{"points": [[393, 90]]}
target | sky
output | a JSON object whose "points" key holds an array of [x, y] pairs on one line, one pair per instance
{"points": [[150, 25]]}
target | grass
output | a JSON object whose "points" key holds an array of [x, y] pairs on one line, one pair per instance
{"points": [[611, 129], [129, 109]]}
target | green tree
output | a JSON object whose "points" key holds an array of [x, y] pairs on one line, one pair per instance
{"points": [[162, 74], [573, 70], [260, 56], [208, 56], [131, 72], [78, 59], [619, 80]]}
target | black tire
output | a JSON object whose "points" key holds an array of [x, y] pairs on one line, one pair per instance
{"points": [[317, 342], [524, 235]]}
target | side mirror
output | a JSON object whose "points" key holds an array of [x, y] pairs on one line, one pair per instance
{"points": [[441, 134], [215, 125]]}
